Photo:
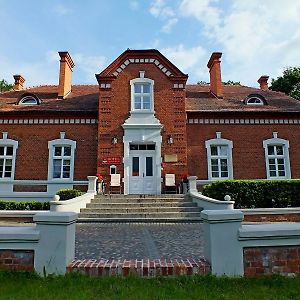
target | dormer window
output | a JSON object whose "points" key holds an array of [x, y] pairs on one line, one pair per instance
{"points": [[29, 99], [142, 94], [255, 100]]}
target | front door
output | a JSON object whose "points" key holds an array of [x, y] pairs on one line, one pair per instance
{"points": [[142, 171]]}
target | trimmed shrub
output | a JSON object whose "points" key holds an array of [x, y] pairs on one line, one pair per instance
{"points": [[256, 193], [66, 194], [28, 205]]}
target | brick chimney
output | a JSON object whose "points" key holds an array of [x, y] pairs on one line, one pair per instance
{"points": [[214, 65], [65, 74], [263, 82], [19, 82]]}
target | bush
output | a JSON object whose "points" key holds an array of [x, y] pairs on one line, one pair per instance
{"points": [[256, 193], [28, 205], [66, 194]]}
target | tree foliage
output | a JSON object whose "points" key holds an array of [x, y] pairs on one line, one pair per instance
{"points": [[229, 82], [5, 86], [288, 83]]}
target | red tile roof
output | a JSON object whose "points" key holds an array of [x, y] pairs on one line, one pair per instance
{"points": [[84, 98], [198, 98]]}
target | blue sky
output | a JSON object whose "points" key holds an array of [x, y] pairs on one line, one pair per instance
{"points": [[256, 37]]}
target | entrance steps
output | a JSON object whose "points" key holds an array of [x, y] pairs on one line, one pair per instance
{"points": [[133, 208]]}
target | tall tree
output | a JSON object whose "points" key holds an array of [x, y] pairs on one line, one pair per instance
{"points": [[5, 86], [288, 83]]}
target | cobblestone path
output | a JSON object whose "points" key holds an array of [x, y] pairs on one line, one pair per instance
{"points": [[138, 241]]}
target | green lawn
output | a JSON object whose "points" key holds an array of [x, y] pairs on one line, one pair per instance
{"points": [[28, 286]]}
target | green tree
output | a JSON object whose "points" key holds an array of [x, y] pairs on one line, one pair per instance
{"points": [[5, 86], [288, 83]]}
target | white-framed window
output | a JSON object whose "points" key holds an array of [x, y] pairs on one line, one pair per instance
{"points": [[112, 170], [219, 158], [277, 158], [142, 99], [61, 158], [28, 100], [8, 150], [254, 101]]}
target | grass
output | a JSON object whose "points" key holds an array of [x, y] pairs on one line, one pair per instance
{"points": [[24, 286]]}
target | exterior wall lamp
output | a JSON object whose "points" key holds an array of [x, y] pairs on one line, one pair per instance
{"points": [[170, 140], [114, 140]]}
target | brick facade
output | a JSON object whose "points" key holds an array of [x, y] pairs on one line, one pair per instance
{"points": [[283, 260], [178, 107], [21, 260]]}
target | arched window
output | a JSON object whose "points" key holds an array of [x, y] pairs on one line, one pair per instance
{"points": [[219, 158], [142, 99], [255, 99], [29, 99]]}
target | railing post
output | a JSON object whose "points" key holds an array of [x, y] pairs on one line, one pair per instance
{"points": [[192, 183], [56, 247], [222, 248], [92, 188]]}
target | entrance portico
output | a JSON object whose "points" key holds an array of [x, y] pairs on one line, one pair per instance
{"points": [[142, 154]]}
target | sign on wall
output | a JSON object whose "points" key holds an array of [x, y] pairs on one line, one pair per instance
{"points": [[111, 160]]}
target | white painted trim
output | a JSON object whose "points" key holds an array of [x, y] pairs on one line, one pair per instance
{"points": [[243, 121], [48, 121], [219, 142], [141, 81], [9, 142], [61, 142], [144, 60], [285, 144]]}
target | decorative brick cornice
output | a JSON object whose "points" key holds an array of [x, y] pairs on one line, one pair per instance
{"points": [[33, 121], [242, 121]]}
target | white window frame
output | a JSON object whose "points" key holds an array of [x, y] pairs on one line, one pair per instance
{"points": [[218, 141], [62, 141], [261, 102], [26, 98], [111, 168], [4, 142], [142, 80], [275, 141]]}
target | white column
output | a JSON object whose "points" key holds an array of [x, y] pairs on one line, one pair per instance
{"points": [[56, 247]]}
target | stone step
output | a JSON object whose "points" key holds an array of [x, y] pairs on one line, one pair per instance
{"points": [[141, 210], [140, 204], [139, 220], [136, 200], [140, 196], [141, 215]]}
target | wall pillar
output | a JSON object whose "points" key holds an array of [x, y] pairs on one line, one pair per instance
{"points": [[92, 187], [192, 183], [56, 247], [221, 246]]}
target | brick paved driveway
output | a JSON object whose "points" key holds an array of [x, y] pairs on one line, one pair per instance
{"points": [[138, 241]]}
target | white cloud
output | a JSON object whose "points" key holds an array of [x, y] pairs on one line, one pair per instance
{"points": [[169, 25], [160, 10], [61, 10], [257, 37], [188, 59], [90, 65]]}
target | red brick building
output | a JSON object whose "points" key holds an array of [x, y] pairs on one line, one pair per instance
{"points": [[143, 121]]}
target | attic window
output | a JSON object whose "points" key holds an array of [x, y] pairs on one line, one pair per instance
{"points": [[254, 101], [29, 100]]}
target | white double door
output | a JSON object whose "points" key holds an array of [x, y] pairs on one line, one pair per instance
{"points": [[142, 178]]}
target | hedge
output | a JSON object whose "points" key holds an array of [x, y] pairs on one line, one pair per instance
{"points": [[66, 194], [256, 193], [28, 205]]}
